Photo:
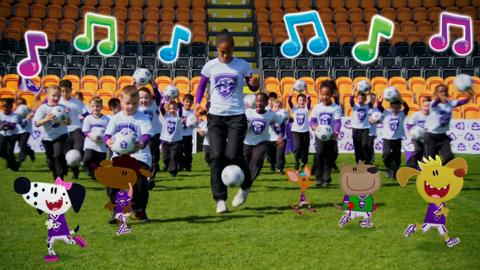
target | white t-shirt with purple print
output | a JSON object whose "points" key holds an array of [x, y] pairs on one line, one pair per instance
{"points": [[226, 85], [258, 126]]}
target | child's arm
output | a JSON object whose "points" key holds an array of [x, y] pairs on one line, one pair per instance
{"points": [[309, 102], [252, 82], [379, 104], [464, 101], [202, 86], [370, 100], [290, 103], [41, 119], [405, 107], [130, 190], [156, 94]]}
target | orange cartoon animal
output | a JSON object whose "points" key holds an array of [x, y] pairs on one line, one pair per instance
{"points": [[304, 181]]}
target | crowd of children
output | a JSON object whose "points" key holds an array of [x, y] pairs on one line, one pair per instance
{"points": [[160, 123]]}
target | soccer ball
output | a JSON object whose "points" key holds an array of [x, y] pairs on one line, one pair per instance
{"points": [[249, 101], [299, 86], [323, 132], [171, 92], [376, 117], [390, 94], [142, 76], [463, 82], [417, 133], [232, 176], [283, 114], [123, 142], [22, 110], [363, 86], [59, 114], [73, 158], [191, 121], [96, 134]]}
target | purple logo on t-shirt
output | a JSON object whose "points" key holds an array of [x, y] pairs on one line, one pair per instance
{"points": [[171, 124], [393, 123], [469, 136], [300, 118], [325, 119], [36, 134], [460, 125], [278, 128], [348, 146], [225, 84], [149, 114], [421, 123], [476, 147], [461, 147], [130, 126], [258, 126], [444, 118], [379, 146], [475, 126], [452, 136], [362, 114], [348, 124], [341, 135]]}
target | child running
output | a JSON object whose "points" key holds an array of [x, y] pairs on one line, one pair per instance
{"points": [[300, 133], [418, 119]]}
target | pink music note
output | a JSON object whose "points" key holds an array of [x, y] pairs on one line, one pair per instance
{"points": [[440, 41], [31, 66]]}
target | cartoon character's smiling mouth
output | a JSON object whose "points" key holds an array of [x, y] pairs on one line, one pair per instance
{"points": [[436, 192], [357, 188], [54, 206]]}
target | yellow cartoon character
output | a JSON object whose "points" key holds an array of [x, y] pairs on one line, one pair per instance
{"points": [[436, 184]]}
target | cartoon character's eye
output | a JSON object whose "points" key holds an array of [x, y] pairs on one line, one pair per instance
{"points": [[437, 172]]}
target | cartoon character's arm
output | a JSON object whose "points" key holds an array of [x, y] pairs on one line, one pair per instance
{"points": [[346, 203], [49, 224], [130, 190], [442, 211]]}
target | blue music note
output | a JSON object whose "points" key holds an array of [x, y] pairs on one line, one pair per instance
{"points": [[316, 45], [169, 53]]}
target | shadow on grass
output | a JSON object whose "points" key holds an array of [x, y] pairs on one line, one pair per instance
{"points": [[286, 207], [203, 219], [159, 188]]}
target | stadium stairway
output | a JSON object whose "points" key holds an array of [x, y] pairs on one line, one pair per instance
{"points": [[237, 17]]}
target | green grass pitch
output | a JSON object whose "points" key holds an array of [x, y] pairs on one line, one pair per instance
{"points": [[185, 232]]}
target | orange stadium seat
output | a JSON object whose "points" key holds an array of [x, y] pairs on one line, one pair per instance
{"points": [[413, 108], [120, 12], [5, 9], [108, 83], [50, 23], [471, 111], [106, 3], [194, 82], [432, 82], [3, 24], [152, 14], [28, 96], [48, 80], [21, 10], [344, 85], [153, 3], [272, 84], [104, 10], [89, 82], [434, 13], [419, 14], [325, 14], [7, 93], [321, 4], [124, 81], [182, 83], [286, 86], [70, 12], [378, 85], [340, 15], [310, 85], [75, 80], [105, 95], [87, 8], [456, 113], [34, 24], [369, 13], [162, 82], [167, 14], [17, 23], [135, 13], [88, 94], [198, 14], [416, 84]]}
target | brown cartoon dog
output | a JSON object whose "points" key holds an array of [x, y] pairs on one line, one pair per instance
{"points": [[304, 181], [358, 183]]}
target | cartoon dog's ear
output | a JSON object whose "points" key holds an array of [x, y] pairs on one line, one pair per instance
{"points": [[145, 173], [77, 195], [39, 211], [459, 165], [307, 171], [405, 173], [21, 185], [106, 163], [292, 175]]}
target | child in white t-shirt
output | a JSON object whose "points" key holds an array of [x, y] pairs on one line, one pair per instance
{"points": [[300, 129], [9, 122], [418, 119], [171, 136]]}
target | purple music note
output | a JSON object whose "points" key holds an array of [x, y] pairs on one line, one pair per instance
{"points": [[31, 66], [440, 41]]}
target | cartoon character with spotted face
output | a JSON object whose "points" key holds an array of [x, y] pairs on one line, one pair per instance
{"points": [[55, 200], [358, 183], [436, 184]]}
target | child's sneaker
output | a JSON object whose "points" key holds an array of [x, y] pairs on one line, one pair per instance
{"points": [[410, 230], [366, 223], [452, 241], [150, 183], [241, 197], [343, 221], [221, 207], [80, 241], [51, 258]]}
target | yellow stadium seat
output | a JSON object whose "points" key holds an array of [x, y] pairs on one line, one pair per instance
{"points": [[456, 113], [449, 83], [75, 80], [399, 83], [471, 111], [108, 83], [7, 93], [105, 95], [49, 80], [89, 82], [183, 85], [416, 84], [28, 96], [163, 81], [88, 94], [413, 108], [318, 82], [407, 97], [310, 85], [421, 95], [358, 79], [10, 81], [272, 85], [378, 85], [476, 85], [124, 81], [344, 85], [432, 82], [286, 86], [106, 111]]}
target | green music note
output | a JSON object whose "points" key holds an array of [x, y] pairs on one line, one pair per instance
{"points": [[85, 42], [366, 52]]}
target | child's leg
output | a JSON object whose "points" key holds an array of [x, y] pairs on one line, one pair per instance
{"points": [[387, 154], [175, 153], [247, 154], [357, 144], [365, 146], [140, 191], [237, 130], [60, 162], [371, 147], [22, 144], [280, 155], [206, 153], [430, 145], [446, 149], [155, 151], [417, 154], [166, 154], [187, 146], [271, 153], [396, 155], [217, 137], [77, 142], [10, 155], [48, 145], [306, 147], [257, 157], [320, 160], [297, 146], [329, 150]]}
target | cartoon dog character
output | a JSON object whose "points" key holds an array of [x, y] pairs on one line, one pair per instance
{"points": [[55, 200], [436, 184], [120, 173], [358, 183], [304, 181]]}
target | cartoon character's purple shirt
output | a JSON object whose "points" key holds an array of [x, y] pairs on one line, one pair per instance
{"points": [[122, 200], [60, 227], [430, 217]]}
